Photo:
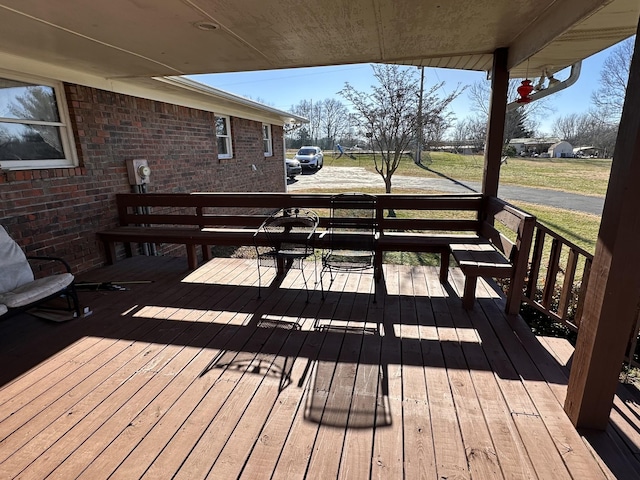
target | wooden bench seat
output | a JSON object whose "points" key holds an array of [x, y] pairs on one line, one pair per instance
{"points": [[422, 243], [194, 237], [460, 225], [476, 260], [190, 237], [496, 254]]}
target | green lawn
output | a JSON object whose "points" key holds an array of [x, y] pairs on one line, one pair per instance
{"points": [[583, 176], [577, 227]]}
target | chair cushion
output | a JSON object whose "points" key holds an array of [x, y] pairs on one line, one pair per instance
{"points": [[36, 290], [15, 267]]}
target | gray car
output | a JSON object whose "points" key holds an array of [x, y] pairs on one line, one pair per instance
{"points": [[293, 168], [310, 157]]}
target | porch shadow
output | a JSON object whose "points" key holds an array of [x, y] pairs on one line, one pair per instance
{"points": [[260, 363], [347, 393], [135, 326]]}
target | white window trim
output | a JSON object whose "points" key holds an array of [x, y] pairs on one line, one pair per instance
{"points": [[268, 152], [66, 129], [226, 137]]}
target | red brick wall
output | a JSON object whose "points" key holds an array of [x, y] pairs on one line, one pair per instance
{"points": [[57, 211]]}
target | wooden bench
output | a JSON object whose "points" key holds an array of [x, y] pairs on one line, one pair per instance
{"points": [[461, 225], [477, 246], [495, 254], [423, 223], [192, 220]]}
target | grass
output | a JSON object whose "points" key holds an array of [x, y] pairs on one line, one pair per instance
{"points": [[577, 227], [582, 176]]}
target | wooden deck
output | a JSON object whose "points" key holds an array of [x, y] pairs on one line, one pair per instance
{"points": [[192, 376]]}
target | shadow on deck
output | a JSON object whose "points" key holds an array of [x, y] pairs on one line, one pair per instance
{"points": [[194, 376]]}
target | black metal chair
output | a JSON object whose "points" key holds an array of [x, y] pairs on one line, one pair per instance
{"points": [[289, 241], [352, 232], [20, 290]]}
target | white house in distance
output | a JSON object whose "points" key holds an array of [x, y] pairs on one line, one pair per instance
{"points": [[561, 149], [530, 146]]}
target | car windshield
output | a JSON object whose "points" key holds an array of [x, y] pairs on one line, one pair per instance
{"points": [[307, 151]]}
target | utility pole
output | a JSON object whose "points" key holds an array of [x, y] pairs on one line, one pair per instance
{"points": [[418, 159]]}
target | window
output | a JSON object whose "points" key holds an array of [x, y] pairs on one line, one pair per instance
{"points": [[35, 131], [223, 132], [266, 140]]}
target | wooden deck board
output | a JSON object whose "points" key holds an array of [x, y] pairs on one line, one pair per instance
{"points": [[358, 441], [136, 374], [193, 376], [337, 381], [420, 459], [510, 367], [298, 447], [547, 391], [388, 452]]}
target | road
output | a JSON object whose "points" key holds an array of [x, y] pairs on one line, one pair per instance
{"points": [[357, 178]]}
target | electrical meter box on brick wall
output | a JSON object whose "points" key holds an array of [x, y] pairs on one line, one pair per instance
{"points": [[139, 171]]}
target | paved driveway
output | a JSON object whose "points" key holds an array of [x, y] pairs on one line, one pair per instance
{"points": [[357, 178]]}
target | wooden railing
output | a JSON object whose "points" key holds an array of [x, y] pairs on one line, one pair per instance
{"points": [[559, 269], [558, 276], [557, 281]]}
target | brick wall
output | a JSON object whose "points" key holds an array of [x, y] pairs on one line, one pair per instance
{"points": [[57, 211]]}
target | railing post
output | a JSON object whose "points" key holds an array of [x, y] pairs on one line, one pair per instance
{"points": [[523, 245], [567, 284], [536, 260], [552, 273], [583, 292]]}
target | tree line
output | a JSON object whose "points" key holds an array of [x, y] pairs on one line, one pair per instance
{"points": [[388, 116]]}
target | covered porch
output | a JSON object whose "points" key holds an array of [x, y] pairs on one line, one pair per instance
{"points": [[192, 376]]}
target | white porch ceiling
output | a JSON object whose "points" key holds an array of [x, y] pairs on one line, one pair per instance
{"points": [[119, 39]]}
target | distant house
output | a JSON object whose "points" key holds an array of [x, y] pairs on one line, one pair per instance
{"points": [[561, 149], [528, 147], [65, 141]]}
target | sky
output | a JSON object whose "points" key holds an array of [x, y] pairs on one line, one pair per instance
{"points": [[283, 89]]}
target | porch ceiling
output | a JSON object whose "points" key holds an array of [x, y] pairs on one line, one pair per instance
{"points": [[130, 38]]}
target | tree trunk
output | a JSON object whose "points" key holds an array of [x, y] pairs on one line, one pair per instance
{"points": [[387, 184]]}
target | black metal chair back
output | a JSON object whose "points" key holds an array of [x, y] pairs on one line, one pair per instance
{"points": [[352, 231], [289, 234]]}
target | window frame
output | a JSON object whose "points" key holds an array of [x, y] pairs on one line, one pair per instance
{"points": [[227, 137], [64, 126], [267, 140]]}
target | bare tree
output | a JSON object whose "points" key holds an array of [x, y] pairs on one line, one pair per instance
{"points": [[389, 113], [586, 129], [609, 97], [435, 128], [312, 110], [334, 121], [477, 132], [459, 135]]}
